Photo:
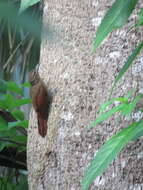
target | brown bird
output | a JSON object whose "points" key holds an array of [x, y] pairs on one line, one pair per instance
{"points": [[40, 100]]}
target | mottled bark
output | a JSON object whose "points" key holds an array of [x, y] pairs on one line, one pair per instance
{"points": [[80, 81]]}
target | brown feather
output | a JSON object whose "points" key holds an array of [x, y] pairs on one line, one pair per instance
{"points": [[40, 101]]}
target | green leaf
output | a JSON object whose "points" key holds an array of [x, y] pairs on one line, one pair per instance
{"points": [[109, 151], [138, 135], [140, 19], [9, 101], [130, 93], [3, 124], [22, 148], [8, 132], [20, 102], [3, 86], [18, 114], [27, 3], [12, 145], [3, 104], [10, 185], [23, 184], [26, 21], [106, 115], [26, 84], [13, 87], [20, 139], [12, 132], [128, 109], [128, 63], [18, 123], [108, 103], [115, 17], [2, 145]]}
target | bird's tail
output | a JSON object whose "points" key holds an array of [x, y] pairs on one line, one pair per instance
{"points": [[42, 126]]}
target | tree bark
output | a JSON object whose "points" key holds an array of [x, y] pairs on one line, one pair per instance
{"points": [[80, 82]]}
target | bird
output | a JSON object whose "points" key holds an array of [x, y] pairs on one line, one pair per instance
{"points": [[41, 101]]}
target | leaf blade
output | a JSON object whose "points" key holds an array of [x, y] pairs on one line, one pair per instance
{"points": [[115, 17], [109, 151], [13, 87], [106, 115], [128, 63], [27, 3]]}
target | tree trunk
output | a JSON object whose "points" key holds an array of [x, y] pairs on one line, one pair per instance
{"points": [[79, 81]]}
